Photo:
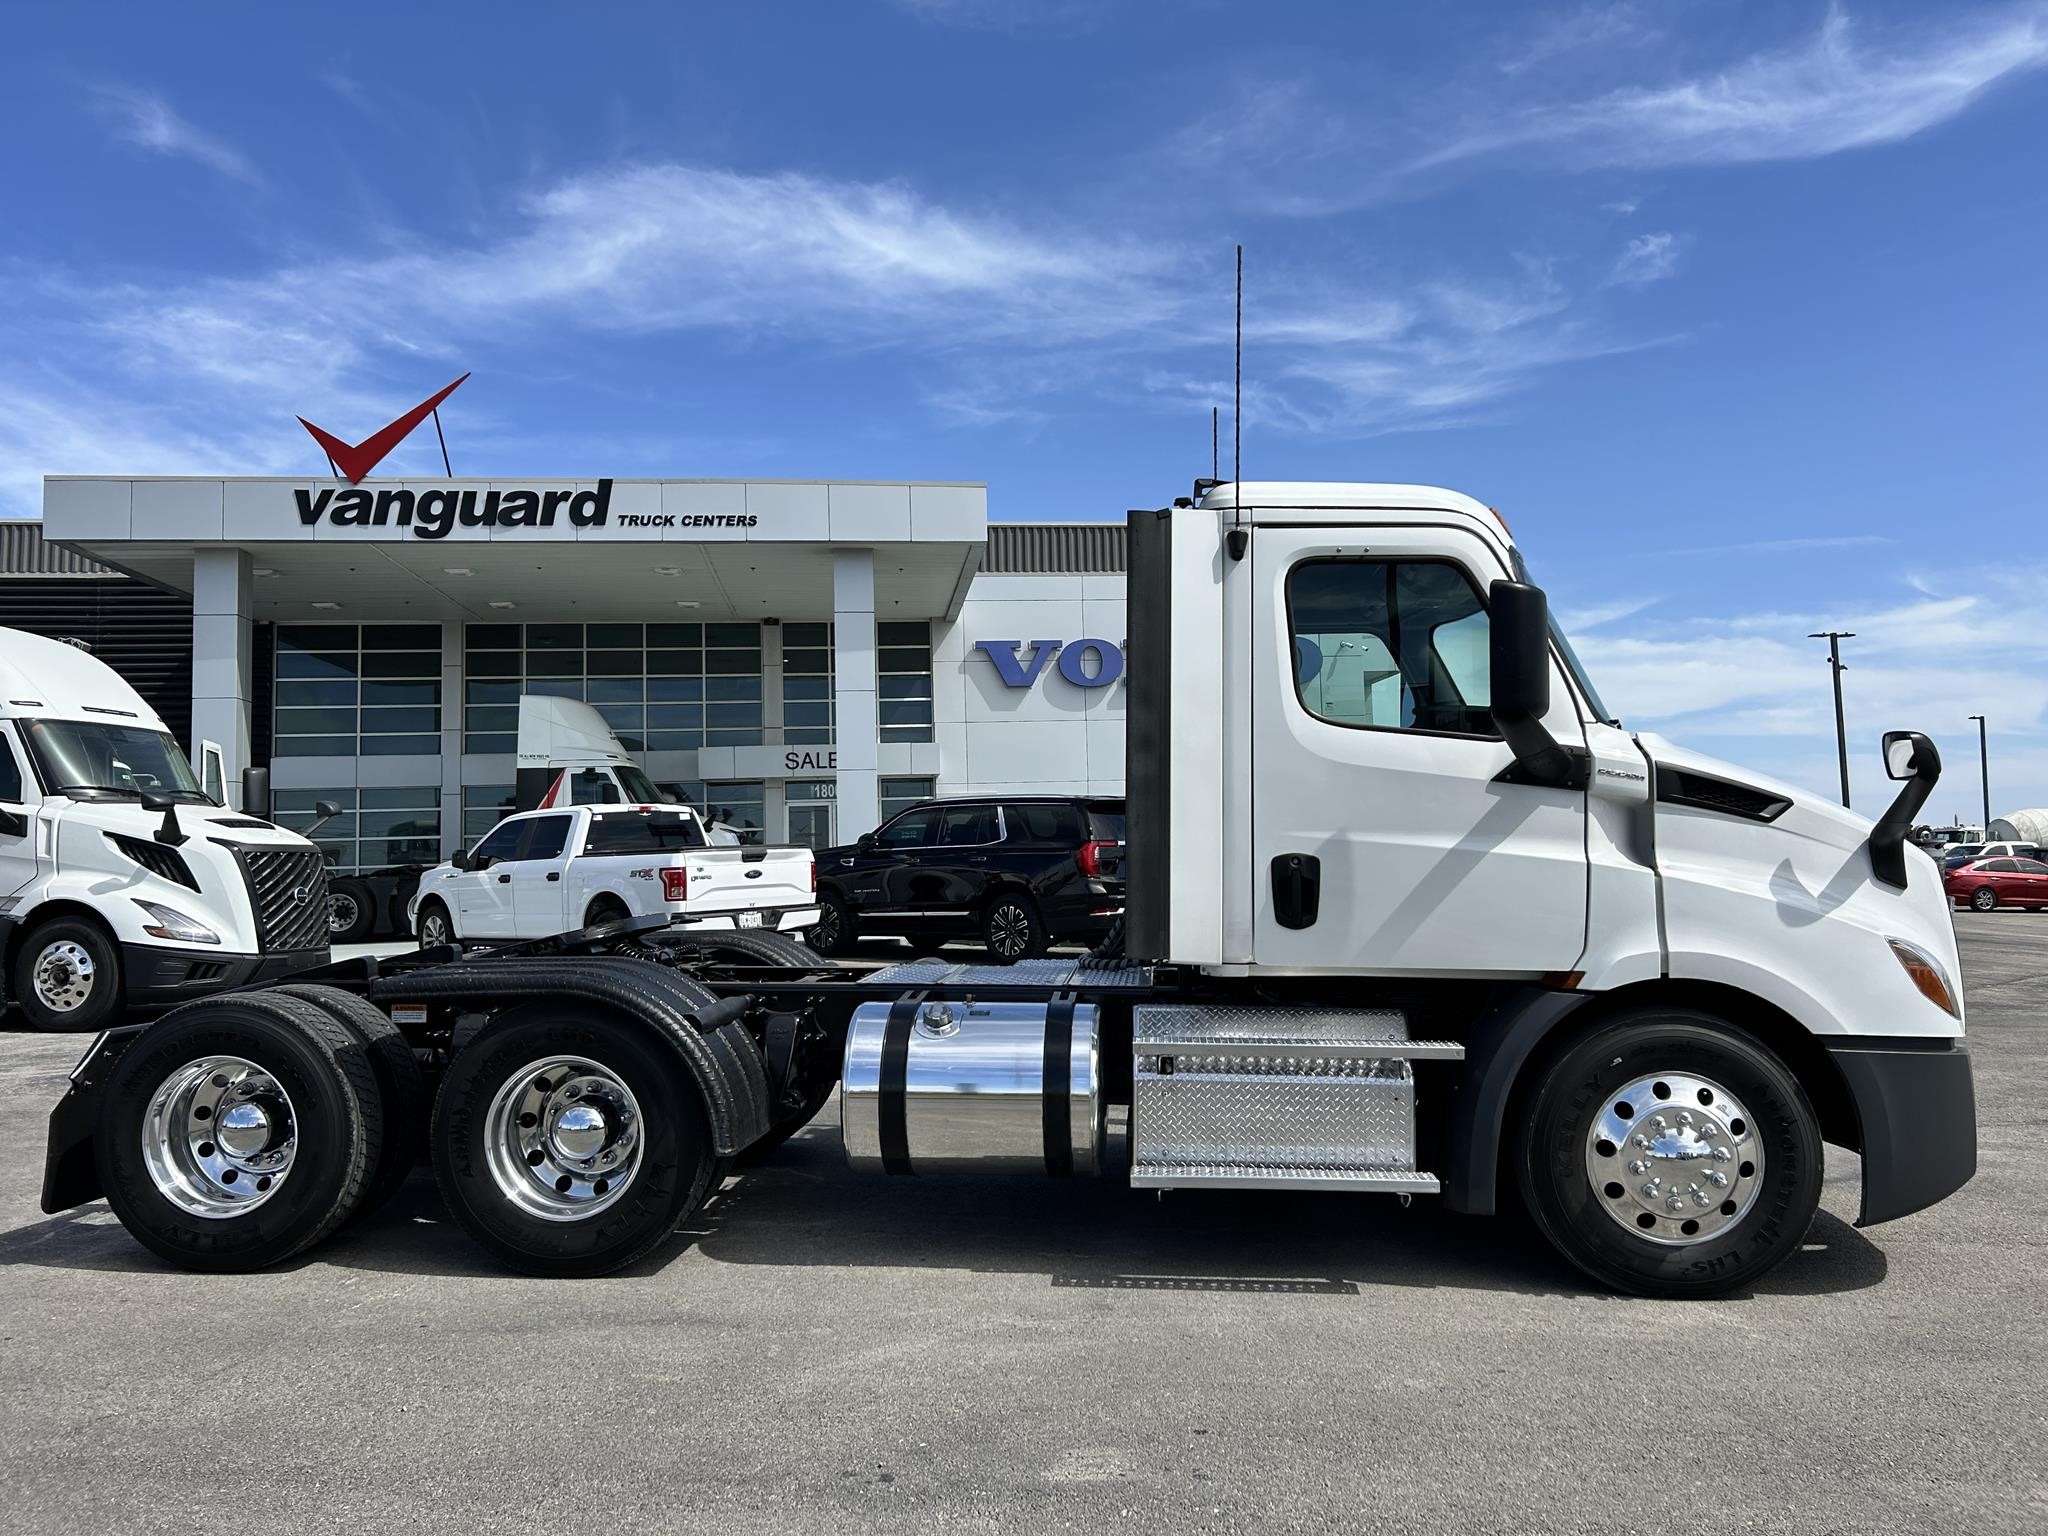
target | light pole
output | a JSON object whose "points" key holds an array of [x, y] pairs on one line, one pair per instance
{"points": [[1984, 767], [1834, 638]]}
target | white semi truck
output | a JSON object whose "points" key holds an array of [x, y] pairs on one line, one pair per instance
{"points": [[122, 879], [1408, 912]]}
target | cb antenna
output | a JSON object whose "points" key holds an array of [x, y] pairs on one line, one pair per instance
{"points": [[1214, 412], [1238, 537]]}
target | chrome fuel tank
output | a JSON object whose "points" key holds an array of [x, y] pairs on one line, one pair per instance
{"points": [[952, 1087]]}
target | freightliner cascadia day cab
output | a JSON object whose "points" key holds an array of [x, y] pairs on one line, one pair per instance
{"points": [[1408, 912], [122, 879]]}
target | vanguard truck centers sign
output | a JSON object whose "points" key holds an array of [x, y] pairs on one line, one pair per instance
{"points": [[434, 514]]}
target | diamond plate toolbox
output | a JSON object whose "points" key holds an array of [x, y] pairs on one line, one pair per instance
{"points": [[1281, 1089]]}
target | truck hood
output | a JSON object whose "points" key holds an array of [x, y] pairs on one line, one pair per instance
{"points": [[1806, 815]]}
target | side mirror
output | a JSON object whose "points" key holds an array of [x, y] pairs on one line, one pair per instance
{"points": [[460, 858], [865, 842], [1910, 756], [170, 834], [1518, 664]]}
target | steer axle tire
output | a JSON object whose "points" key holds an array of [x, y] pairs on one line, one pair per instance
{"points": [[568, 1141], [1668, 1153], [67, 976], [238, 1131]]}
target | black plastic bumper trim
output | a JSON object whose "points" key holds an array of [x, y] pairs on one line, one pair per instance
{"points": [[1918, 1112], [156, 974]]}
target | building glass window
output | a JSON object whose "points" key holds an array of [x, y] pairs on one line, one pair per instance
{"points": [[483, 807], [901, 794], [661, 687], [741, 806], [379, 826], [807, 713], [903, 668], [357, 690]]}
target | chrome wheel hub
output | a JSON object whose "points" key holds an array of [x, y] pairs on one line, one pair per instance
{"points": [[218, 1137], [63, 976], [1674, 1158], [563, 1138]]}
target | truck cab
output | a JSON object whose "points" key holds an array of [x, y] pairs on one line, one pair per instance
{"points": [[122, 879]]}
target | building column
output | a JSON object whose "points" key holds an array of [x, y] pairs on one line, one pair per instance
{"points": [[222, 651], [453, 697], [856, 733]]}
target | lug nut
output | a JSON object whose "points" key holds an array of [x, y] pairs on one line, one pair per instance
{"points": [[1701, 1198], [1643, 1142], [1674, 1201], [1721, 1154], [1717, 1178], [1639, 1167], [1651, 1191]]}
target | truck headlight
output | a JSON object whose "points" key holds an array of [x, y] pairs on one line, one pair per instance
{"points": [[1927, 976], [172, 924]]}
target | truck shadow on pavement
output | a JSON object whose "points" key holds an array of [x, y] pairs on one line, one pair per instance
{"points": [[804, 1208]]}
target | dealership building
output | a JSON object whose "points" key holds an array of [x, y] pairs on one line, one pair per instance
{"points": [[800, 657]]}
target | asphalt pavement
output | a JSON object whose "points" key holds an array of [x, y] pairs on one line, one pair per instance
{"points": [[822, 1351]]}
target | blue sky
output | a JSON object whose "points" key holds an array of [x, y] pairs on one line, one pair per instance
{"points": [[1734, 310]]}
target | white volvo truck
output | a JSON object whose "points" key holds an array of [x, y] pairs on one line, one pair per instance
{"points": [[122, 880], [1408, 913]]}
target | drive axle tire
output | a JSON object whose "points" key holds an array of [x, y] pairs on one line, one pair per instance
{"points": [[1669, 1154], [569, 1142], [238, 1131], [399, 1080], [67, 976]]}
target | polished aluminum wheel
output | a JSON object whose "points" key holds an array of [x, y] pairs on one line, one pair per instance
{"points": [[563, 1138], [1009, 930], [1674, 1158], [341, 911], [64, 976], [219, 1137]]}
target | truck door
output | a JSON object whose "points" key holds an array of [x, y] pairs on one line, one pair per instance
{"points": [[17, 817], [483, 897], [540, 889], [879, 878], [1383, 837]]}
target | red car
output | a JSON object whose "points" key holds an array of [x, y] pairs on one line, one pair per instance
{"points": [[1988, 883]]}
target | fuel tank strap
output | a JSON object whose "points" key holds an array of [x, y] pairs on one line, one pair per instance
{"points": [[892, 1129], [1056, 1094]]}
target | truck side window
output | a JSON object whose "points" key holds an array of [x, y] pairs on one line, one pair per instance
{"points": [[967, 825], [502, 843], [10, 773], [545, 837], [1390, 644], [593, 786], [913, 829]]}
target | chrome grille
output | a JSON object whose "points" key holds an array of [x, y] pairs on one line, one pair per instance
{"points": [[288, 889]]}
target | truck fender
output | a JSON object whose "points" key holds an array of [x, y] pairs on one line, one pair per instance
{"points": [[1503, 1039], [718, 1052]]}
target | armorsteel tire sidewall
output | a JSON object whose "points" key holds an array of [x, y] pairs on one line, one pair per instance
{"points": [[399, 1079], [1569, 1098], [327, 1169], [675, 1160]]}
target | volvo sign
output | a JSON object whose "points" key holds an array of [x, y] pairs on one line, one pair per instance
{"points": [[1075, 660]]}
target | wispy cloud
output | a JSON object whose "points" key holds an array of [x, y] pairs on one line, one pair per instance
{"points": [[146, 119], [1646, 259], [1586, 28], [1825, 94]]}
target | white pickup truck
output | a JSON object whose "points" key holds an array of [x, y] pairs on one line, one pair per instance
{"points": [[552, 871]]}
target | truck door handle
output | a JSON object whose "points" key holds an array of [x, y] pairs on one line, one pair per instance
{"points": [[554, 874], [977, 858], [504, 879], [1297, 889]]}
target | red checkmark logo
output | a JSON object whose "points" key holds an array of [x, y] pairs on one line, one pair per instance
{"points": [[358, 459]]}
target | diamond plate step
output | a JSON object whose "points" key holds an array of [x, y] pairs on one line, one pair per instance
{"points": [[1405, 1181], [1307, 1034]]}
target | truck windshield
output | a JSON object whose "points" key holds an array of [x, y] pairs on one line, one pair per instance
{"points": [[1563, 643], [88, 760], [640, 789]]}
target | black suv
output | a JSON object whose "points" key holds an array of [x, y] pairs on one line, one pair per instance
{"points": [[1016, 871]]}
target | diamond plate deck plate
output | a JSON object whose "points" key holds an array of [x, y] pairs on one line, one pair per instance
{"points": [[1052, 975], [1286, 1121], [1194, 1025]]}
